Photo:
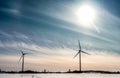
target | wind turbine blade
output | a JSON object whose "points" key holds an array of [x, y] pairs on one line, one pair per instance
{"points": [[20, 58], [79, 45], [85, 52], [21, 51], [25, 53], [76, 54]]}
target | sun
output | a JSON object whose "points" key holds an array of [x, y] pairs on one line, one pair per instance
{"points": [[86, 15]]}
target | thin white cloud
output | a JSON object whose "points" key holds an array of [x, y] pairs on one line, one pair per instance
{"points": [[5, 34], [20, 35], [11, 11]]}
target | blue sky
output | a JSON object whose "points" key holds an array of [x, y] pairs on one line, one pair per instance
{"points": [[49, 31]]}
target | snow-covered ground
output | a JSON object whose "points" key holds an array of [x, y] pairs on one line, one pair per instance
{"points": [[59, 75]]}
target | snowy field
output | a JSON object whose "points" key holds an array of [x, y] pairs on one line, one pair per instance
{"points": [[59, 75]]}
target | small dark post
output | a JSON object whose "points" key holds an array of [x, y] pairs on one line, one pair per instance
{"points": [[44, 70], [69, 70]]}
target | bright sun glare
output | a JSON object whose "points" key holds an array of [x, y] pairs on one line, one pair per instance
{"points": [[86, 15]]}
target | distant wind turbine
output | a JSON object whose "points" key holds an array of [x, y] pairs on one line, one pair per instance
{"points": [[22, 59], [79, 53]]}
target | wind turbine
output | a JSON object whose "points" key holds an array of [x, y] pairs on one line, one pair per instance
{"points": [[22, 59], [79, 53]]}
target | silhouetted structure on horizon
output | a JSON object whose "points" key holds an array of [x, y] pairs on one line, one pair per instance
{"points": [[79, 53], [44, 71], [22, 57]]}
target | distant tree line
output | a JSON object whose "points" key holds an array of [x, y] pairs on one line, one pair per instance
{"points": [[69, 71]]}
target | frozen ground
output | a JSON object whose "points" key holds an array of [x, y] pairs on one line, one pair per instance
{"points": [[59, 75]]}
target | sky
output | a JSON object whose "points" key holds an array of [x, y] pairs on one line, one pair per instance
{"points": [[49, 30]]}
